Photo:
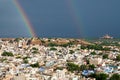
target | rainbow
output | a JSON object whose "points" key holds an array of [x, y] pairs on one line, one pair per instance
{"points": [[25, 18], [76, 16]]}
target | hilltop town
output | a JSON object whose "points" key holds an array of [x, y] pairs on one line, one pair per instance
{"points": [[59, 59]]}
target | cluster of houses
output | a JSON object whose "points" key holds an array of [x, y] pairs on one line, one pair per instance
{"points": [[34, 61]]}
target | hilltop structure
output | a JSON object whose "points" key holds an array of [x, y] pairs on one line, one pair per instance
{"points": [[107, 37]]}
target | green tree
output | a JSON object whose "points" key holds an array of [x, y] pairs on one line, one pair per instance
{"points": [[7, 54], [93, 75], [34, 49], [35, 52], [52, 44], [118, 57], [71, 51], [93, 53], [17, 39], [83, 47], [43, 41], [96, 47], [72, 67], [25, 61], [100, 53], [3, 59], [59, 68], [106, 49], [115, 77], [87, 61], [105, 56], [101, 76], [91, 67], [53, 49], [25, 58], [35, 65], [83, 67]]}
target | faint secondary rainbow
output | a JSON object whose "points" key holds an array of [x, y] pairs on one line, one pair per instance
{"points": [[76, 16], [25, 18]]}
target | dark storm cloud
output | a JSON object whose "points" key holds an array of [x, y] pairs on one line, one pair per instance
{"points": [[54, 18]]}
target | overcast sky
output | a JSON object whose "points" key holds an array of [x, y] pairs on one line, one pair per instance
{"points": [[61, 18]]}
